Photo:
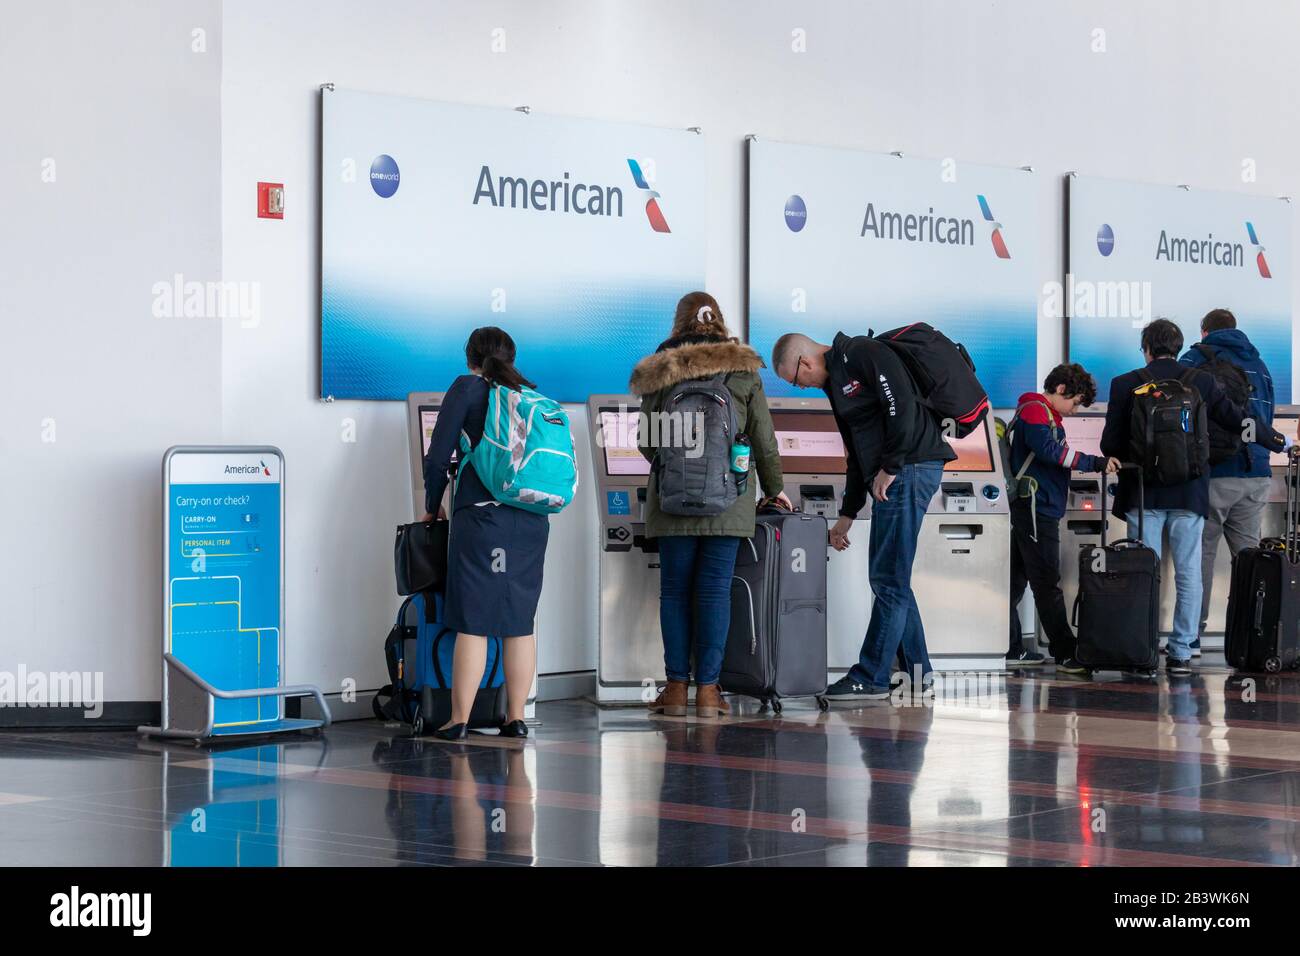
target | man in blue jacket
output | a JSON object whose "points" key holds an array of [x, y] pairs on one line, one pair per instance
{"points": [[1181, 508], [1038, 437], [1239, 485]]}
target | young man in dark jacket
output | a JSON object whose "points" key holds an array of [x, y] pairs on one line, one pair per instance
{"points": [[1182, 507], [1037, 431], [1238, 486], [893, 442]]}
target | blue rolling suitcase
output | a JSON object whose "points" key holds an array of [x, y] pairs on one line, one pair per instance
{"points": [[418, 652]]}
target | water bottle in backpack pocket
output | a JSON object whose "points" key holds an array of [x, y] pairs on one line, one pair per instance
{"points": [[693, 448]]}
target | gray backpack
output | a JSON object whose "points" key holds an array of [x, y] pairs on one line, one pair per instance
{"points": [[696, 428]]}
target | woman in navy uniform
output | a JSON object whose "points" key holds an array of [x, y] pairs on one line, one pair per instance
{"points": [[496, 552]]}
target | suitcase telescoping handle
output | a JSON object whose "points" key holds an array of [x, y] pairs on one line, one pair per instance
{"points": [[1293, 504], [1105, 507]]}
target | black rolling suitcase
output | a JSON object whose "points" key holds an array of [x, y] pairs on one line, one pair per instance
{"points": [[1117, 611], [776, 645], [1264, 598]]}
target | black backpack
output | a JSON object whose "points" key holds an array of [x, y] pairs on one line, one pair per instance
{"points": [[943, 374], [1167, 430], [1225, 442]]}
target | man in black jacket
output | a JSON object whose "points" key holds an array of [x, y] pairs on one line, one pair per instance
{"points": [[894, 441], [1182, 507]]}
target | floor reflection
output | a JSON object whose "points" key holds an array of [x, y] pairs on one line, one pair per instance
{"points": [[1039, 771]]}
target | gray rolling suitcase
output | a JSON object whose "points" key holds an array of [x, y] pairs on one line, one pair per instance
{"points": [[776, 644]]}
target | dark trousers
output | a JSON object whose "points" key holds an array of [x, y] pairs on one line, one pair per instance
{"points": [[1038, 565]]}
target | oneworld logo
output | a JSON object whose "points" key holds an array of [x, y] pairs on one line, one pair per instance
{"points": [[796, 213], [652, 210], [384, 176], [1259, 252], [1105, 239]]}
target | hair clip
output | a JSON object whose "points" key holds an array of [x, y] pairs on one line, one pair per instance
{"points": [[704, 309]]}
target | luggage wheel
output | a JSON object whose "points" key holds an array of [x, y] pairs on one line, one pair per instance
{"points": [[1272, 665], [776, 707], [417, 726], [823, 704]]}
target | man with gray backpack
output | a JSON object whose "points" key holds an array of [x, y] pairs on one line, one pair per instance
{"points": [[1038, 464]]}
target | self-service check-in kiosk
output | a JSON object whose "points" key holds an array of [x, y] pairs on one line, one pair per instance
{"points": [[959, 577], [422, 410], [813, 463], [629, 651]]}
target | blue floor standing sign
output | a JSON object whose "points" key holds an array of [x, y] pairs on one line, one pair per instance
{"points": [[223, 595]]}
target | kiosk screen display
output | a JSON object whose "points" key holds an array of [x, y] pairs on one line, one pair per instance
{"points": [[974, 453], [809, 443], [618, 436], [429, 418], [1083, 433]]}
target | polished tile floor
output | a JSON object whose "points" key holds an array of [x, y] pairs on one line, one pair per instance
{"points": [[1035, 771]]}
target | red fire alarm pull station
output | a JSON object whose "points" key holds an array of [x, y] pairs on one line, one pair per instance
{"points": [[270, 200]]}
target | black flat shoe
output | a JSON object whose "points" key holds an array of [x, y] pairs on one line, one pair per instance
{"points": [[514, 728], [454, 732]]}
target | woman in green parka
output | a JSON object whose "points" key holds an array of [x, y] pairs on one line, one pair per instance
{"points": [[697, 554]]}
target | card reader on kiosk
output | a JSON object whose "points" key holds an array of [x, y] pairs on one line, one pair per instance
{"points": [[422, 410], [629, 650]]}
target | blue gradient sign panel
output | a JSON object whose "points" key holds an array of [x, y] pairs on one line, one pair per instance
{"points": [[577, 237], [841, 240], [1139, 252]]}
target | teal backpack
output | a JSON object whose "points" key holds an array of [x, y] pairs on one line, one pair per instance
{"points": [[525, 457]]}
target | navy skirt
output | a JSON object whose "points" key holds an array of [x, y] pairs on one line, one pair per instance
{"points": [[494, 569]]}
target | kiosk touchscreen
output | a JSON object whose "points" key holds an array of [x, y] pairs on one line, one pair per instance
{"points": [[629, 652]]}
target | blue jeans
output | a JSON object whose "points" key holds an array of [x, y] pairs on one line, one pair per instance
{"points": [[695, 596], [1185, 531], [895, 618]]}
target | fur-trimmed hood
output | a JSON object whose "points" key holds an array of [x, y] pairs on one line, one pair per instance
{"points": [[675, 363]]}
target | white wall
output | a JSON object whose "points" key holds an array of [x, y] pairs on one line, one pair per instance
{"points": [[1182, 94], [115, 95]]}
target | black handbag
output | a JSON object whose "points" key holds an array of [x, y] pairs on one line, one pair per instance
{"points": [[420, 556]]}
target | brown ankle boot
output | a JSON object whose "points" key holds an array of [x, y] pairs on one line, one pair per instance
{"points": [[709, 702], [671, 701]]}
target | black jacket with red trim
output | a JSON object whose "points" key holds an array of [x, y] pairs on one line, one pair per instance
{"points": [[1039, 428], [883, 423]]}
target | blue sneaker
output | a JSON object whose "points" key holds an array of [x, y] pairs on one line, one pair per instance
{"points": [[846, 688]]}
